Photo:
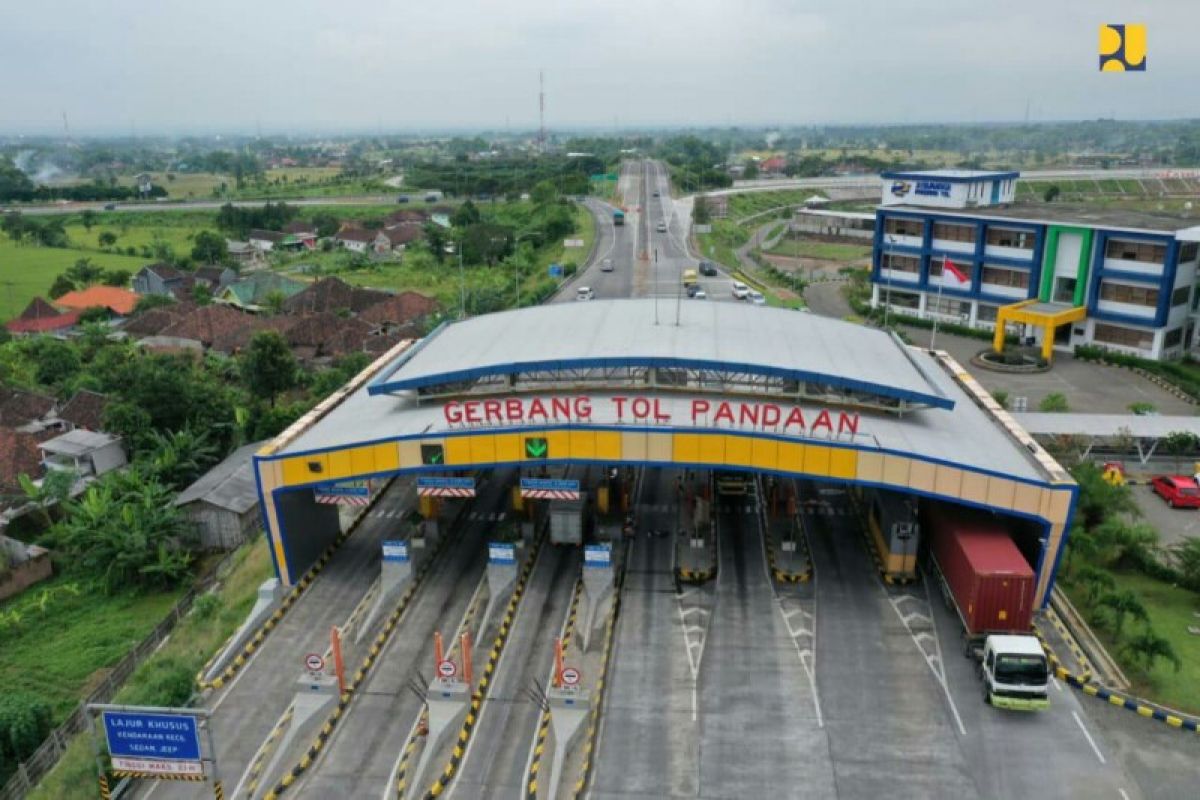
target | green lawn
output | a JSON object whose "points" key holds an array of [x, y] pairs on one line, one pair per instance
{"points": [[830, 251], [1171, 610], [194, 640], [747, 203], [61, 652], [27, 271]]}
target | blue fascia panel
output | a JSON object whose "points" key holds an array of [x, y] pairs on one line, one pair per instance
{"points": [[922, 176]]}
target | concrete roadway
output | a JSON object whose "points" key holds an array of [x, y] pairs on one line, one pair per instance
{"points": [[268, 682], [359, 758]]}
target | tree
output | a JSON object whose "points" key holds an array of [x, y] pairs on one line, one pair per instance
{"points": [[326, 224], [62, 284], [751, 171], [116, 277], [268, 367], [1124, 544], [1099, 499], [1120, 605], [1051, 194], [107, 238], [1001, 397], [1147, 647], [1054, 402], [84, 273], [202, 295], [149, 301], [1177, 443], [1186, 556], [55, 488], [700, 213], [1095, 582], [88, 218], [57, 361], [210, 248], [274, 302], [178, 458], [14, 226], [466, 214], [435, 236]]}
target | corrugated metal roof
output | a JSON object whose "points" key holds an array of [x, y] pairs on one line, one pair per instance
{"points": [[229, 485], [1149, 426], [734, 337]]}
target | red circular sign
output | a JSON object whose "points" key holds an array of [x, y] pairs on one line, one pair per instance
{"points": [[314, 662], [447, 669], [570, 676]]}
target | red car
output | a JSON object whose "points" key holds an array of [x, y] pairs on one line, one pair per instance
{"points": [[1177, 490]]}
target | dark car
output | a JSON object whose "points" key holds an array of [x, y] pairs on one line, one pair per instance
{"points": [[708, 268], [692, 289], [402, 198], [110, 207]]}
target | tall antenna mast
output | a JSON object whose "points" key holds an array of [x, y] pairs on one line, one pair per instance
{"points": [[541, 110], [66, 127]]}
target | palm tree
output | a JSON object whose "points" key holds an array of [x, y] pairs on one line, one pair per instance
{"points": [[1122, 604], [1126, 544], [1080, 542], [1147, 647], [1095, 581]]}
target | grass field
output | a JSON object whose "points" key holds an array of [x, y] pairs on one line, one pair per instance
{"points": [[831, 251], [27, 272], [1171, 610], [194, 640]]}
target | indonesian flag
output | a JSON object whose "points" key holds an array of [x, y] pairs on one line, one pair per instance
{"points": [[956, 275]]}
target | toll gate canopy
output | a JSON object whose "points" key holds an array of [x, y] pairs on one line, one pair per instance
{"points": [[731, 386]]}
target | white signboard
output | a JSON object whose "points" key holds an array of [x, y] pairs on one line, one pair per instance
{"points": [[572, 242], [152, 766]]}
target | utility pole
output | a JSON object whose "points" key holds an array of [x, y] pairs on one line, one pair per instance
{"points": [[887, 297], [541, 111]]}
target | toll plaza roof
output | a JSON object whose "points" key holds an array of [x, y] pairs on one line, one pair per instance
{"points": [[718, 336], [958, 431]]}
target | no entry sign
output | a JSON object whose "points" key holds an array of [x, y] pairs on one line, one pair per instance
{"points": [[570, 676], [446, 669], [314, 662]]}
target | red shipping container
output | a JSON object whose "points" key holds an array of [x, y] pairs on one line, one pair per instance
{"points": [[991, 582]]}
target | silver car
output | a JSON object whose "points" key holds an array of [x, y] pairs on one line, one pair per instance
{"points": [[606, 265]]}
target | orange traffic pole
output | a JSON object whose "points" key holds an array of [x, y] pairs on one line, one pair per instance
{"points": [[558, 663], [465, 642], [437, 648], [339, 666]]}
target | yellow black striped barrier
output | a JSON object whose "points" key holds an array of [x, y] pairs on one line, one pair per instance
{"points": [[261, 757], [589, 745], [887, 577], [123, 773], [481, 690], [699, 576], [389, 626], [543, 731], [105, 793], [1140, 707], [783, 576], [406, 756], [218, 791], [289, 600]]}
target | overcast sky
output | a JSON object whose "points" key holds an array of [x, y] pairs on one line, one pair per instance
{"points": [[292, 65]]}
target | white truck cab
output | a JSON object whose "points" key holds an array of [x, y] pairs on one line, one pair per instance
{"points": [[1015, 673]]}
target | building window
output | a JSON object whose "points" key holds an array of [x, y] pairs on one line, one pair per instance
{"points": [[1008, 237], [902, 299], [1188, 252], [999, 276], [1144, 252], [1180, 296], [948, 306], [986, 313], [1125, 337], [954, 233], [899, 263], [1129, 293], [903, 226], [1064, 290], [1173, 338]]}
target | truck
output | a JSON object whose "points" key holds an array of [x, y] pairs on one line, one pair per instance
{"points": [[567, 520], [618, 217], [984, 577]]}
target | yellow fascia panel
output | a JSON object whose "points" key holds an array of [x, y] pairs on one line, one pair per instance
{"points": [[340, 465], [608, 445], [765, 454], [295, 470], [362, 460], [974, 487], [790, 456], [1001, 492], [659, 447], [711, 449], [1055, 505], [583, 444], [870, 467], [843, 463], [387, 456], [738, 450], [633, 446], [816, 460], [685, 447], [483, 449], [895, 470], [559, 442], [921, 476], [949, 481], [1027, 499], [458, 449], [508, 447]]}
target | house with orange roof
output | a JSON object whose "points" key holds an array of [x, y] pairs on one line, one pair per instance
{"points": [[119, 301]]}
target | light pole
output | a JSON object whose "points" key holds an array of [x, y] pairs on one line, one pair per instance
{"points": [[462, 282], [517, 264], [887, 297]]}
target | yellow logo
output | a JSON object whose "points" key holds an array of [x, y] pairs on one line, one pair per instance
{"points": [[1123, 48]]}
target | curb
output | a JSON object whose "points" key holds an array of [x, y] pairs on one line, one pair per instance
{"points": [[589, 745], [480, 694], [288, 601], [264, 750], [364, 669], [543, 731]]}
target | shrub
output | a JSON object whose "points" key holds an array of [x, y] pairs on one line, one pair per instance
{"points": [[161, 681], [1055, 402], [24, 723]]}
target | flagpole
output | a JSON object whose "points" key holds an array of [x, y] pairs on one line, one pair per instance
{"points": [[938, 310]]}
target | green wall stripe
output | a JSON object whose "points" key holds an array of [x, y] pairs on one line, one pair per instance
{"points": [[1050, 256]]}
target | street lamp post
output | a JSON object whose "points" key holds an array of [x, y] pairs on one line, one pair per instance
{"points": [[887, 297]]}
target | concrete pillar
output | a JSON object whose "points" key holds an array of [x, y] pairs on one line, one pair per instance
{"points": [[501, 577], [269, 595], [447, 702], [568, 711], [317, 694], [599, 577], [395, 573]]}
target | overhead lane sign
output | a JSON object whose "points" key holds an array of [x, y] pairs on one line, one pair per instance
{"points": [[156, 744], [446, 487], [549, 489], [349, 493]]}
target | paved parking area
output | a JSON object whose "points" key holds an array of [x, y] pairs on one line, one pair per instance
{"points": [[1174, 525]]}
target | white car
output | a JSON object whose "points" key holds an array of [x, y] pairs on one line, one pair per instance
{"points": [[606, 265], [756, 298], [661, 227], [740, 290], [699, 294], [584, 293]]}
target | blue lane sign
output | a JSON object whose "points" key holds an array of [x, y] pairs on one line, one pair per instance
{"points": [[502, 553], [395, 551], [556, 270], [597, 555], [160, 736], [350, 489], [445, 483], [550, 484]]}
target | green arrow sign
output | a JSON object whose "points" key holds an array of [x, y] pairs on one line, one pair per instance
{"points": [[432, 454], [537, 447]]}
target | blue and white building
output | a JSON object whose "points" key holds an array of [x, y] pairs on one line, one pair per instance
{"points": [[1127, 278]]}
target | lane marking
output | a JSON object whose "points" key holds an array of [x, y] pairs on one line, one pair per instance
{"points": [[1089, 738]]}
